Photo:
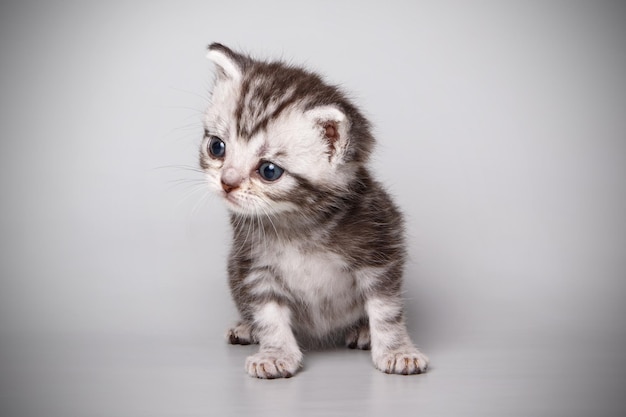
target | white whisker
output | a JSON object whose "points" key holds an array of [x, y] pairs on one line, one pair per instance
{"points": [[200, 202]]}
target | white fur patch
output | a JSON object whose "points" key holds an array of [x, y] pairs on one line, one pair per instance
{"points": [[299, 136], [392, 349], [368, 277], [278, 319], [225, 63], [379, 309], [279, 355], [320, 282], [326, 113], [385, 336]]}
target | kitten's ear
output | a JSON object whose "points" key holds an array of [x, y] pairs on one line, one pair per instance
{"points": [[230, 65], [333, 126]]}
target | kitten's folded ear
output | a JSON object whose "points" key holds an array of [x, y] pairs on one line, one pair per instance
{"points": [[333, 126], [230, 65]]}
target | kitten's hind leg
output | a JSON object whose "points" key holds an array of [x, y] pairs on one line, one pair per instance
{"points": [[358, 337], [241, 334], [392, 349]]}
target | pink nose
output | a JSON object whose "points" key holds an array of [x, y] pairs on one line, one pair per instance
{"points": [[229, 187], [231, 180]]}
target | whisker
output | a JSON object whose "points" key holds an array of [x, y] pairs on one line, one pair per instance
{"points": [[269, 218], [260, 222], [188, 180], [187, 184], [191, 128], [200, 202], [193, 93], [181, 167], [184, 108], [193, 191], [187, 127]]}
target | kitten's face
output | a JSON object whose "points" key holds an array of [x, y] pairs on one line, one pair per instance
{"points": [[262, 174], [266, 149]]}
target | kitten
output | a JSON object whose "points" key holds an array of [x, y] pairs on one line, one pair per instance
{"points": [[318, 247]]}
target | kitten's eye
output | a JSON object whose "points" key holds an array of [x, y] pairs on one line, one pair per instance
{"points": [[270, 171], [216, 147]]}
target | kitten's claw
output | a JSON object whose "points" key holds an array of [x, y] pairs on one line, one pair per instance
{"points": [[402, 363], [271, 365], [241, 334]]}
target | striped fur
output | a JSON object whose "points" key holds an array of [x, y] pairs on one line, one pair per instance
{"points": [[319, 252]]}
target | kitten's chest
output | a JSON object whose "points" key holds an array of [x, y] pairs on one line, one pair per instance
{"points": [[311, 273], [319, 281]]}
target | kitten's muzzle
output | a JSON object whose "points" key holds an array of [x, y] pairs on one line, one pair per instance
{"points": [[231, 180], [228, 188]]}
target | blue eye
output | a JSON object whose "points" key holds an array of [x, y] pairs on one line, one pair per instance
{"points": [[270, 171], [216, 147]]}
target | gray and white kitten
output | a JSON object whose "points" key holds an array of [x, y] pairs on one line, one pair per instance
{"points": [[318, 247]]}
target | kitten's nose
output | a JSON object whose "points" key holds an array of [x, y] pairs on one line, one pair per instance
{"points": [[228, 187], [231, 180]]}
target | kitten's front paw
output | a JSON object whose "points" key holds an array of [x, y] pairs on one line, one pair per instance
{"points": [[272, 364], [409, 362]]}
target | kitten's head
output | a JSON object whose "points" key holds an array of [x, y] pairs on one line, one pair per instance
{"points": [[278, 138]]}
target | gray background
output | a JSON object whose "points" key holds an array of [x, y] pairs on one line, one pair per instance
{"points": [[502, 134]]}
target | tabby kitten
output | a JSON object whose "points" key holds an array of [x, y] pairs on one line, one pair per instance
{"points": [[318, 248]]}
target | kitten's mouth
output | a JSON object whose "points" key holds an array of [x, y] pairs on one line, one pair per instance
{"points": [[231, 199], [233, 202]]}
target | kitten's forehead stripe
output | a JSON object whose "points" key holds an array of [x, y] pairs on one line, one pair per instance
{"points": [[269, 89]]}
